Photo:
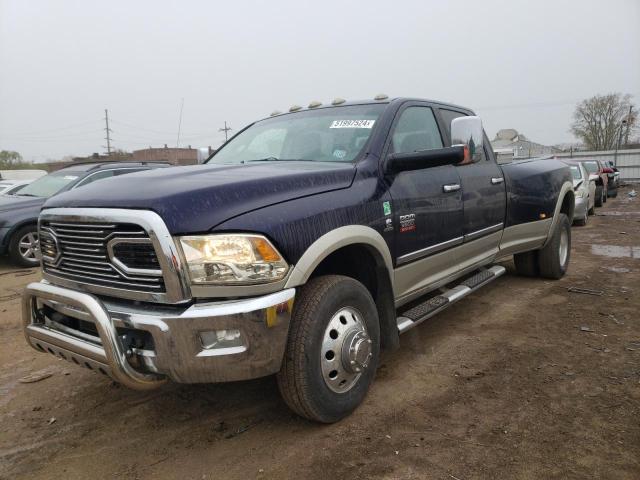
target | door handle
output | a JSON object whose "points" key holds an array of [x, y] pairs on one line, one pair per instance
{"points": [[497, 180], [454, 187]]}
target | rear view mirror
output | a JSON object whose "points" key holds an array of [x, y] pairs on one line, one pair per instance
{"points": [[467, 132]]}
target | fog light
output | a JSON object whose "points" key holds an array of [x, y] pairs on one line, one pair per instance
{"points": [[216, 339]]}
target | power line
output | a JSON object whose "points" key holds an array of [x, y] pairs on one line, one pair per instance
{"points": [[50, 130]]}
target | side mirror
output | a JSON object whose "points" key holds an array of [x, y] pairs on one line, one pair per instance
{"points": [[593, 177], [467, 132], [400, 162]]}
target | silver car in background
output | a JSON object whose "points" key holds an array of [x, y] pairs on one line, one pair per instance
{"points": [[584, 186]]}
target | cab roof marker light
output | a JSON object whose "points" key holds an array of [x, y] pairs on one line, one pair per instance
{"points": [[315, 104], [295, 108], [275, 112], [381, 96], [338, 101]]}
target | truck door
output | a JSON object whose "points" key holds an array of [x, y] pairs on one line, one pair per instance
{"points": [[426, 204], [483, 188]]}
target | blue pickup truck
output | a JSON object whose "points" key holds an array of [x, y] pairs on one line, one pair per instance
{"points": [[308, 242]]}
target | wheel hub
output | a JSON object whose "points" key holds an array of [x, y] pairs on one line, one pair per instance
{"points": [[563, 247], [346, 350], [356, 351], [28, 246]]}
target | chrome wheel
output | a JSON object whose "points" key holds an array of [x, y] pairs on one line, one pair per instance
{"points": [[346, 350], [564, 247], [28, 246]]}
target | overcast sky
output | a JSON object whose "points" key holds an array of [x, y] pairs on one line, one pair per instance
{"points": [[519, 64]]}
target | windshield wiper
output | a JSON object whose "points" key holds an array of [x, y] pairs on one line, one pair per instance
{"points": [[266, 159], [25, 194], [276, 159]]}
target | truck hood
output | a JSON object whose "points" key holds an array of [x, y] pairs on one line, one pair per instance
{"points": [[10, 203], [197, 198]]}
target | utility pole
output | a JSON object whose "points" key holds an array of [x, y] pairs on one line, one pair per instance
{"points": [[626, 135], [615, 153], [226, 131], [180, 124], [108, 131]]}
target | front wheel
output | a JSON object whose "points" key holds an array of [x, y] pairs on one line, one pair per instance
{"points": [[553, 259], [332, 350], [23, 246]]}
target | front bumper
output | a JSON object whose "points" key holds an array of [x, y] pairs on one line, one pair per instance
{"points": [[177, 350], [581, 207]]}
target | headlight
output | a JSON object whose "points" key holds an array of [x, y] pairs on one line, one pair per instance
{"points": [[233, 259]]}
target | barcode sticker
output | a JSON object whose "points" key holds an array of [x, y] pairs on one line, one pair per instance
{"points": [[352, 124]]}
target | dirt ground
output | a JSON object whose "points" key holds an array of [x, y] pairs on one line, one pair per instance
{"points": [[523, 379]]}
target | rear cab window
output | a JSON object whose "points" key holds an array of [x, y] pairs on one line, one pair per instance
{"points": [[447, 115]]}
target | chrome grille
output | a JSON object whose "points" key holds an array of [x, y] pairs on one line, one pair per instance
{"points": [[117, 255]]}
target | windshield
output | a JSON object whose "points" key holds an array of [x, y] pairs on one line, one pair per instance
{"points": [[50, 184], [335, 134], [575, 171], [592, 167]]}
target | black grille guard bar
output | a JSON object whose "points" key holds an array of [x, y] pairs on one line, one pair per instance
{"points": [[111, 353]]}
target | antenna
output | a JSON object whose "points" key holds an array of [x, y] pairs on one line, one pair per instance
{"points": [[226, 131], [108, 131], [180, 123]]}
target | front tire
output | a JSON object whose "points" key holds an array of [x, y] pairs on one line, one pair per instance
{"points": [[554, 257], [332, 350], [23, 246]]}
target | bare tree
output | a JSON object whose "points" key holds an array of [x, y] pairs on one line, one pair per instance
{"points": [[599, 121], [9, 158]]}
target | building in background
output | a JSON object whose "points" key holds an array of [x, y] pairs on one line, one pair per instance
{"points": [[510, 143], [175, 156]]}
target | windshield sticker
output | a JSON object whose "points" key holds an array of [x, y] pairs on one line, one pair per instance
{"points": [[339, 153], [352, 124], [70, 177]]}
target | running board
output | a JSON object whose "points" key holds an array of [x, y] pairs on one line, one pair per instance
{"points": [[434, 305]]}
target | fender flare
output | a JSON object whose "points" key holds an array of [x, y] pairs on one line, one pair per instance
{"points": [[566, 187], [334, 240]]}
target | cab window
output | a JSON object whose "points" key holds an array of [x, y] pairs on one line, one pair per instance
{"points": [[416, 130], [96, 176]]}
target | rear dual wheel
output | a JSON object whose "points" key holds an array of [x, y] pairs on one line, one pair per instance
{"points": [[552, 261], [332, 349]]}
